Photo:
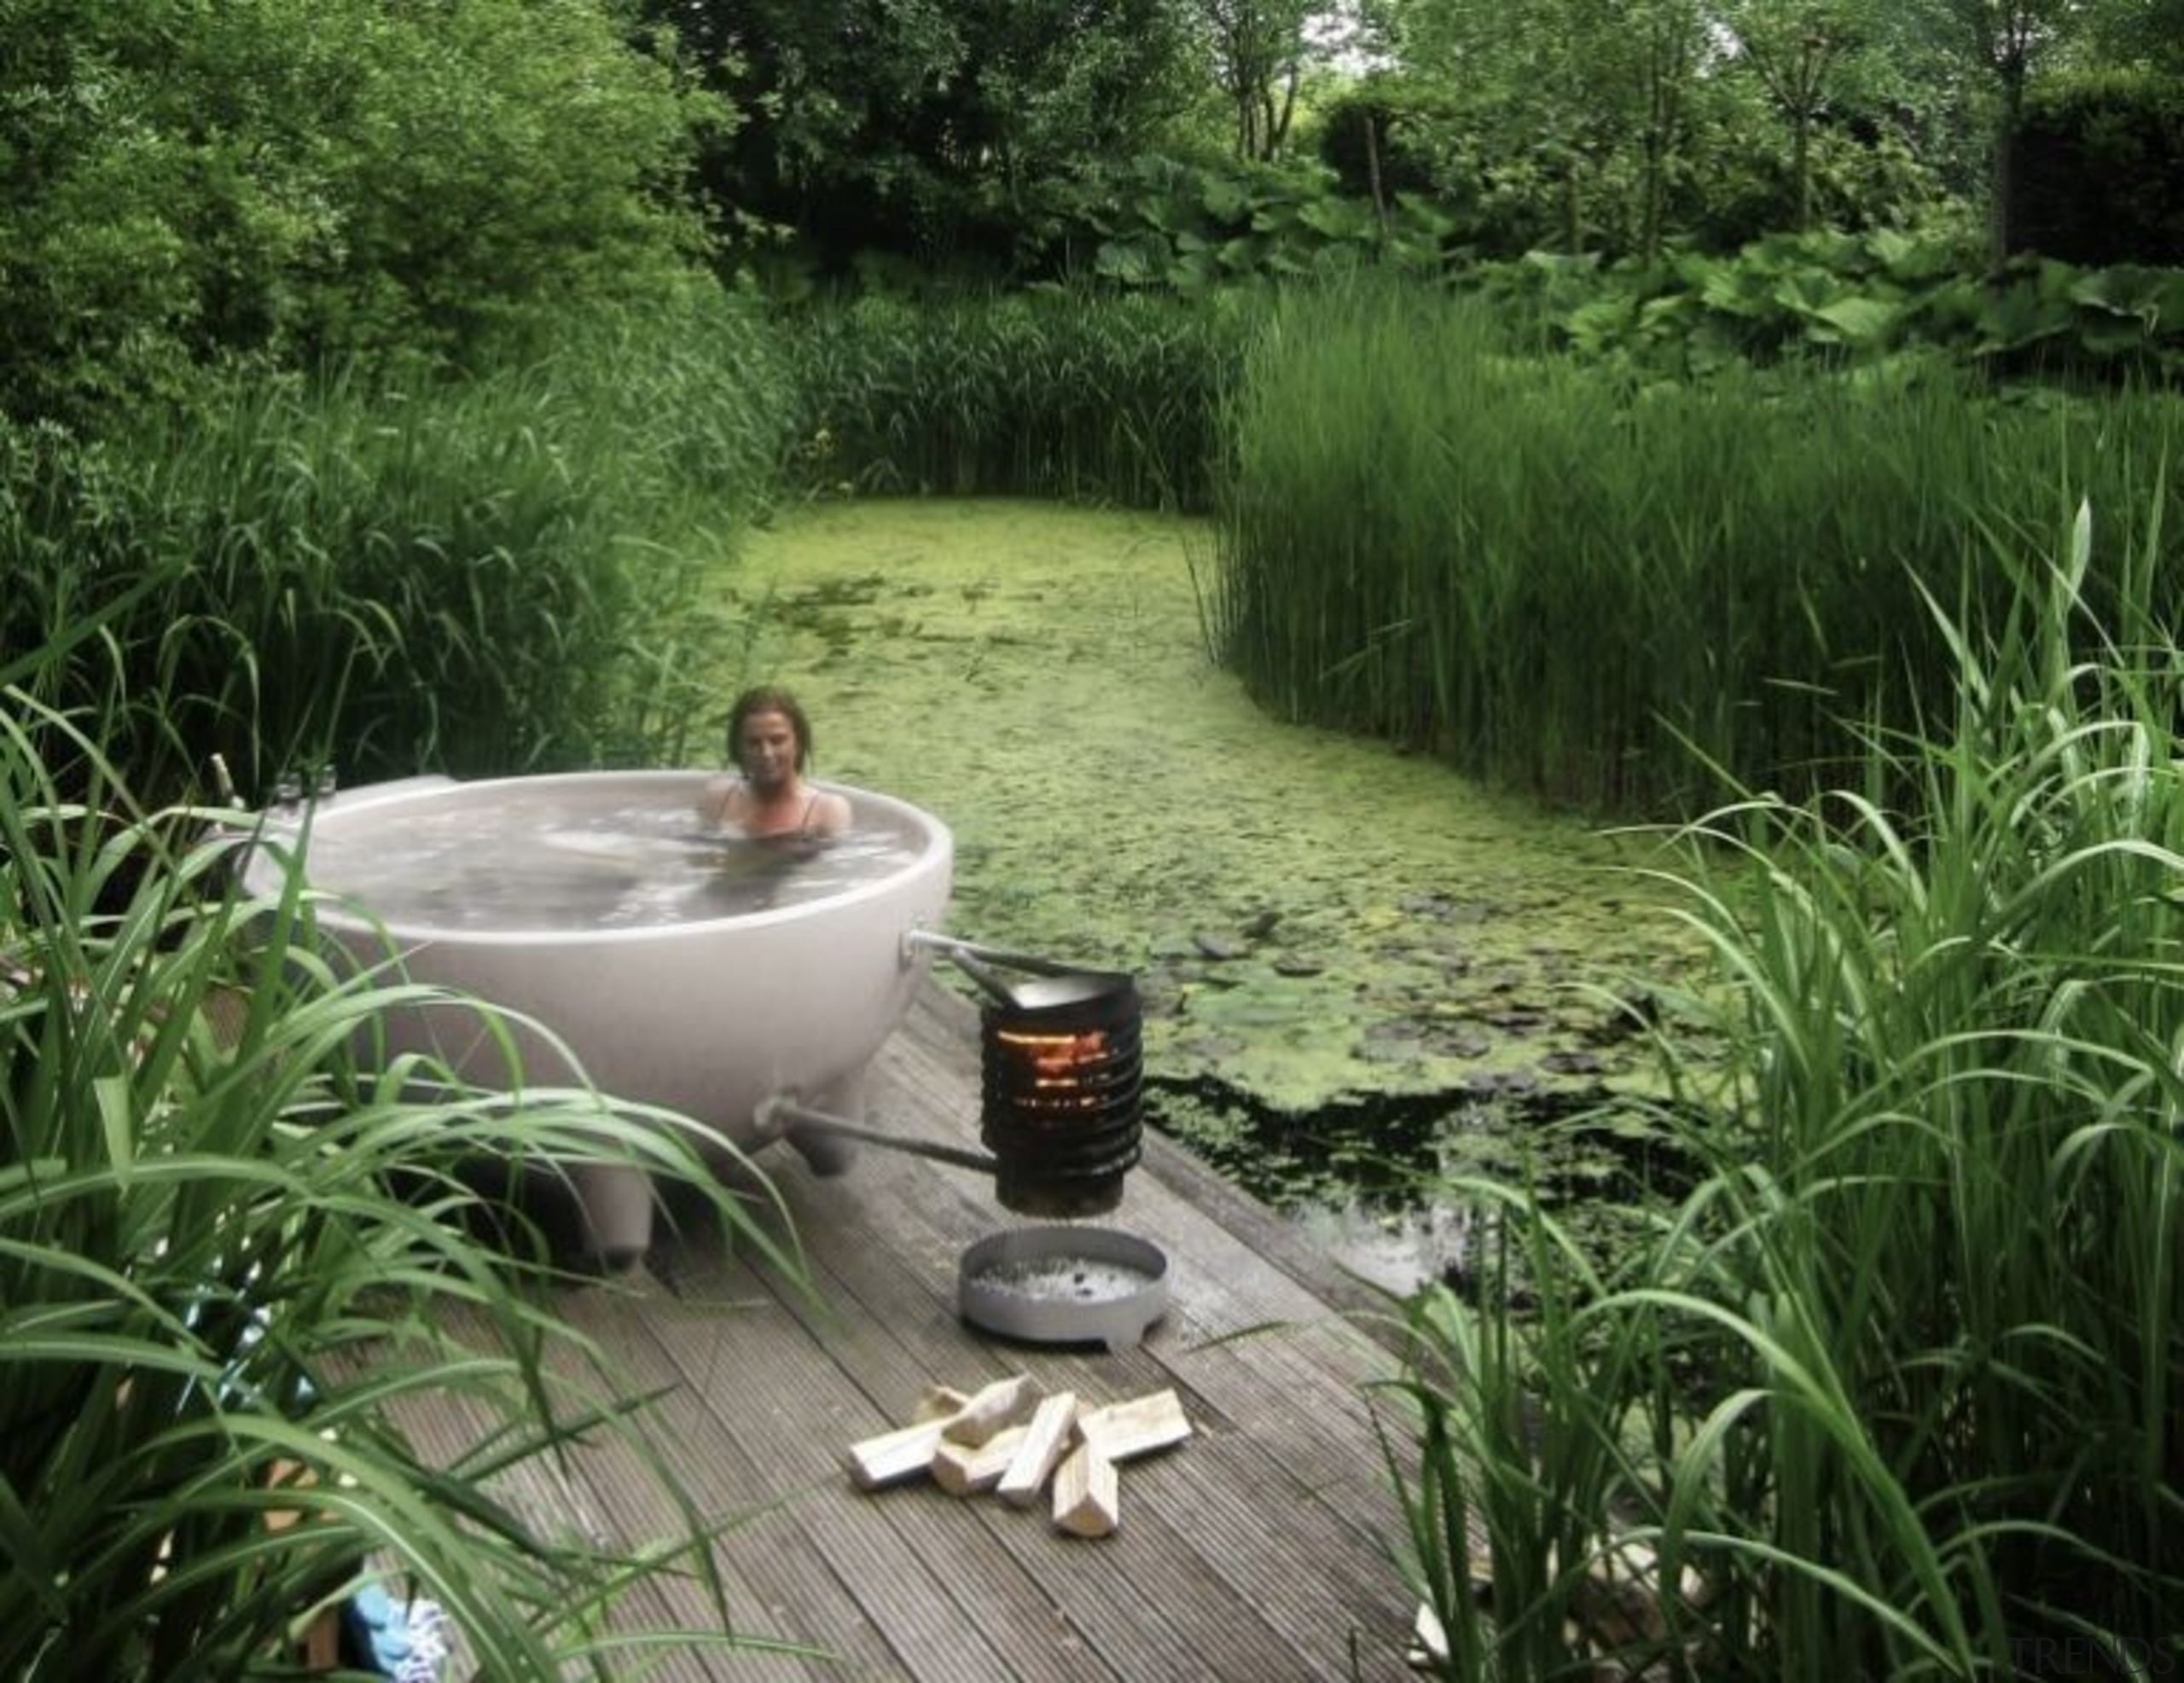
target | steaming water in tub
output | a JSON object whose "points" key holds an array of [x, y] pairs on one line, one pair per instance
{"points": [[534, 859]]}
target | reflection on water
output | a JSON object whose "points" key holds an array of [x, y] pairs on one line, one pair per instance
{"points": [[535, 860]]}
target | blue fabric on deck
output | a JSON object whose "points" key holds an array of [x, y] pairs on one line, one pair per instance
{"points": [[406, 1640]]}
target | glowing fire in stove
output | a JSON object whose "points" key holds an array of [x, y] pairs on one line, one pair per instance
{"points": [[1059, 1061]]}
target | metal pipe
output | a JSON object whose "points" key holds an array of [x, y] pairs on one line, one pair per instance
{"points": [[800, 1116], [959, 949], [989, 980]]}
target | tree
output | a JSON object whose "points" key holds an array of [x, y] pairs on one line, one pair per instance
{"points": [[1584, 101], [1259, 48], [2140, 34], [1803, 53], [918, 126], [2008, 39], [1669, 40], [295, 180]]}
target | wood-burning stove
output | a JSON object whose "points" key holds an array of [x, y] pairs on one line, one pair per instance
{"points": [[1061, 1091]]}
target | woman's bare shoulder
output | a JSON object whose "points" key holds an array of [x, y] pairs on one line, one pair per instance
{"points": [[717, 801]]}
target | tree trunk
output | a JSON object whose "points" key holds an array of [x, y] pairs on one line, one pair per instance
{"points": [[2004, 181], [1373, 166], [1801, 167], [1279, 130]]}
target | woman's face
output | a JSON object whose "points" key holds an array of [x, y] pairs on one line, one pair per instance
{"points": [[766, 749]]}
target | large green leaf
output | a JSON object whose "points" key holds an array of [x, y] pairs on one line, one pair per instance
{"points": [[1134, 262], [2023, 313], [2121, 309], [1224, 197], [1736, 288], [1339, 219], [1601, 325], [1863, 324], [1164, 210], [1910, 260], [1805, 291], [1415, 211], [1195, 271], [1245, 255]]}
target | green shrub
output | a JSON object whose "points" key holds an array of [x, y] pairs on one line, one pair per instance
{"points": [[309, 181], [2097, 170], [1160, 224], [1849, 300], [1375, 136]]}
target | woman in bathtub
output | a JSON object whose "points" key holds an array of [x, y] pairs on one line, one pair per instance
{"points": [[769, 741]]}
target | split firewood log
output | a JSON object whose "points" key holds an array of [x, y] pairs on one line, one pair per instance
{"points": [[894, 1456], [1087, 1497], [1125, 1431], [1045, 1441], [938, 1402], [1003, 1403], [966, 1469]]}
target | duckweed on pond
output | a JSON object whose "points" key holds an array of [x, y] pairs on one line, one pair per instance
{"points": [[1314, 920]]}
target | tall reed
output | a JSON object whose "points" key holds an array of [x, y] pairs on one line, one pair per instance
{"points": [[218, 1317], [1565, 583], [1897, 1382], [486, 574], [1076, 395]]}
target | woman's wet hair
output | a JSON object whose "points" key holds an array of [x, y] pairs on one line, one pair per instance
{"points": [[768, 698]]}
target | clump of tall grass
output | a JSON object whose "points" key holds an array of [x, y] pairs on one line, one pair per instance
{"points": [[216, 1312], [1563, 582], [1897, 1384], [485, 574], [1075, 395]]}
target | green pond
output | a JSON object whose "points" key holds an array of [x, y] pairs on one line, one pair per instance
{"points": [[1359, 969]]}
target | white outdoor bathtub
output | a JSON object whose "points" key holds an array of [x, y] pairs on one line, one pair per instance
{"points": [[707, 1018]]}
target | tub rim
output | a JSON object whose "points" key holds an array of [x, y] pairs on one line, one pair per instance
{"points": [[345, 914]]}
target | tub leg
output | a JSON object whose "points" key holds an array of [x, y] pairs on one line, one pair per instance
{"points": [[615, 1201], [829, 1154]]}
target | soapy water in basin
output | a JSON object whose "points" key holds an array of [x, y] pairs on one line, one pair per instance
{"points": [[534, 862], [1063, 1280]]}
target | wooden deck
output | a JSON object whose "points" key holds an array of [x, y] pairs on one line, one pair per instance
{"points": [[1259, 1549]]}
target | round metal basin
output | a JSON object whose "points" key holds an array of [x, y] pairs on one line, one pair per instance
{"points": [[1065, 1285]]}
